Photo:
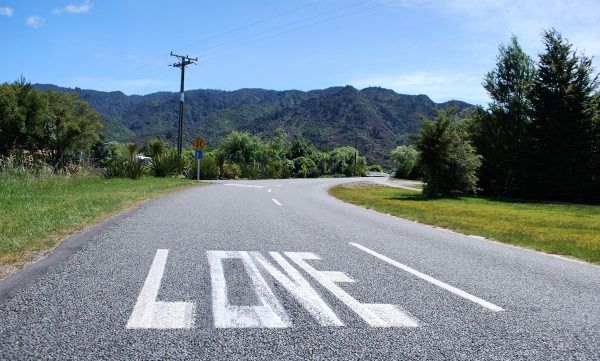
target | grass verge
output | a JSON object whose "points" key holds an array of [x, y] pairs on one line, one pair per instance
{"points": [[559, 228], [36, 213]]}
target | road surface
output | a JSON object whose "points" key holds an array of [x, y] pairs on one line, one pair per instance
{"points": [[278, 269]]}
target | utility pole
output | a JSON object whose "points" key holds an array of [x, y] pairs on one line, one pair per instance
{"points": [[183, 62], [355, 153]]}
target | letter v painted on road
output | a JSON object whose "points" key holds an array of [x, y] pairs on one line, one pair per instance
{"points": [[150, 313], [299, 287]]}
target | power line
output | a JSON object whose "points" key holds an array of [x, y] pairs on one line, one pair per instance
{"points": [[286, 25], [252, 24], [291, 30]]}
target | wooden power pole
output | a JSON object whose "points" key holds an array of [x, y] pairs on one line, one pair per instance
{"points": [[183, 62]]}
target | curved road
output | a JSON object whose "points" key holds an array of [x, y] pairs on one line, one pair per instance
{"points": [[278, 269]]}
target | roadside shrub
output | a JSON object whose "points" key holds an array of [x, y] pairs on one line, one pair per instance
{"points": [[208, 167], [231, 171], [375, 168], [168, 164], [156, 148], [117, 168], [134, 168]]}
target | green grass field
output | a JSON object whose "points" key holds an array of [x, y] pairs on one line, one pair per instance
{"points": [[37, 213], [566, 229]]}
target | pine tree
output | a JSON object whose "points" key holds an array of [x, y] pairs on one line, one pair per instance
{"points": [[564, 132], [500, 134]]}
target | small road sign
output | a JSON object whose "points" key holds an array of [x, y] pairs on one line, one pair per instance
{"points": [[199, 154], [199, 144]]}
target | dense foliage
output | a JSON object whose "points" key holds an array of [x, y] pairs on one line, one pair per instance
{"points": [[56, 127], [239, 155], [540, 137], [405, 158], [448, 161]]}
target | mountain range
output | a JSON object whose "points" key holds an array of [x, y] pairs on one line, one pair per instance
{"points": [[375, 120]]}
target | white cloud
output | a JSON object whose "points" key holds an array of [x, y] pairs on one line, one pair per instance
{"points": [[439, 86], [577, 19], [35, 21], [6, 11], [75, 9]]}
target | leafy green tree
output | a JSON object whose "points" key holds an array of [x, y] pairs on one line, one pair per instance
{"points": [[305, 168], [22, 114], [342, 160], [405, 158], [564, 131], [500, 135], [70, 125], [248, 152], [447, 159], [300, 148]]}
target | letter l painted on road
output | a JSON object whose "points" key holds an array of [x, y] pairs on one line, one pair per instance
{"points": [[149, 313]]}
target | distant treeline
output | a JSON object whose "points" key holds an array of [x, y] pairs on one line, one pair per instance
{"points": [[539, 138], [238, 155]]}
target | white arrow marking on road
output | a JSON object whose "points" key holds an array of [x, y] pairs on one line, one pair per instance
{"points": [[276, 201], [430, 279], [299, 287], [269, 313], [243, 185], [149, 313], [376, 315]]}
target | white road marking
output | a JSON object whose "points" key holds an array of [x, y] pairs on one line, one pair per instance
{"points": [[270, 313], [269, 190], [432, 280], [376, 315], [243, 185], [279, 185], [276, 201], [299, 287], [149, 313]]}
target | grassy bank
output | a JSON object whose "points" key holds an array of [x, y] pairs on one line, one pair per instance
{"points": [[37, 213], [567, 229]]}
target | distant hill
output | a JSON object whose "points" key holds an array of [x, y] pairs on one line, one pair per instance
{"points": [[375, 119]]}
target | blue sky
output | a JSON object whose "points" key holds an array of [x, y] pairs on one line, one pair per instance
{"points": [[438, 48]]}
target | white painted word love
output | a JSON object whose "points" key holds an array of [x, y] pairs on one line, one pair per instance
{"points": [[148, 312]]}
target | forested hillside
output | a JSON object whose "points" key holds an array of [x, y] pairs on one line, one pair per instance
{"points": [[376, 119]]}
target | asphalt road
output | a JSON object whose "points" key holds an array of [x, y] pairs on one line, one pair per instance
{"points": [[280, 270]]}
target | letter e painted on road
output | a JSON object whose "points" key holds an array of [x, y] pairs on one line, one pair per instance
{"points": [[375, 314]]}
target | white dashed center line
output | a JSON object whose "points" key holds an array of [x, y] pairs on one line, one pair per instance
{"points": [[430, 279], [276, 201], [242, 185]]}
